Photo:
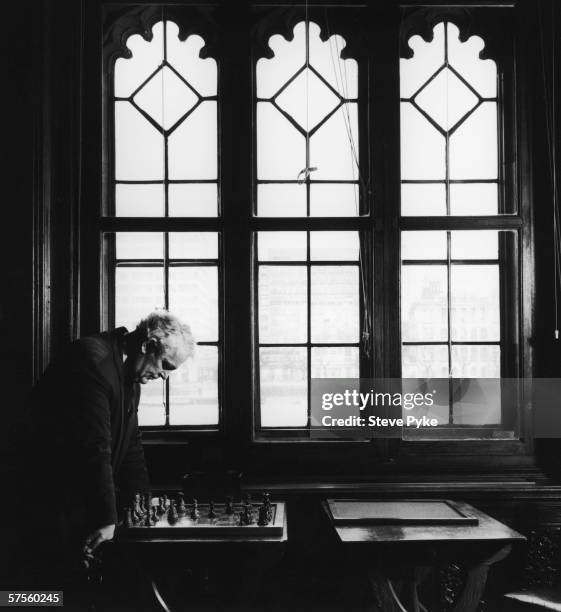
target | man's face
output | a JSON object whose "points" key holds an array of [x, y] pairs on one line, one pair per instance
{"points": [[148, 365]]}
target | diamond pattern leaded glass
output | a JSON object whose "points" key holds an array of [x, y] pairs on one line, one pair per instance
{"points": [[307, 126], [165, 126]]}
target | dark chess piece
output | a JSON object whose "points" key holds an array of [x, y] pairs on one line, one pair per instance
{"points": [[195, 510], [248, 513], [267, 504], [263, 518], [147, 520], [155, 517], [161, 506], [229, 505], [147, 503], [211, 512], [172, 513], [128, 522], [242, 519], [181, 508]]}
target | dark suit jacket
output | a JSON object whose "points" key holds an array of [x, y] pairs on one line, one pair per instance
{"points": [[84, 436]]}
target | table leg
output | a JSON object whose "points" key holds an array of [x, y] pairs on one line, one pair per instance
{"points": [[475, 582]]}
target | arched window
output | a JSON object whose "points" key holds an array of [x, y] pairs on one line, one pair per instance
{"points": [[456, 320], [165, 139], [307, 165]]}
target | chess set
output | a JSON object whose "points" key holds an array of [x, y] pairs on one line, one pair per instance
{"points": [[163, 516]]}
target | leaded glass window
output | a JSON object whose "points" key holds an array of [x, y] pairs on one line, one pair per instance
{"points": [[307, 282], [166, 165]]}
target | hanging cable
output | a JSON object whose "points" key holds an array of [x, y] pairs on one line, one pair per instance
{"points": [[341, 82]]}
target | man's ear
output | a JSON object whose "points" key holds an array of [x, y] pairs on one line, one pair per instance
{"points": [[149, 346]]}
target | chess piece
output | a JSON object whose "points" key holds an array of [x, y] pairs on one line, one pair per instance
{"points": [[241, 519], [263, 518], [229, 505], [172, 513], [211, 512], [147, 520], [137, 510], [267, 504], [155, 517], [161, 506], [195, 510], [147, 503], [128, 517], [181, 509], [248, 513]]}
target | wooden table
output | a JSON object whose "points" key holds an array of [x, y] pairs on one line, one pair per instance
{"points": [[404, 553], [163, 556]]}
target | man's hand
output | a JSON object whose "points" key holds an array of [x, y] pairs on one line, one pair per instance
{"points": [[97, 537]]}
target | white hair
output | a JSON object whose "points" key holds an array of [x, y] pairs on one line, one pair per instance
{"points": [[168, 332]]}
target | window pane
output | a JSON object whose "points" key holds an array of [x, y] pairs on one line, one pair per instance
{"points": [[476, 361], [281, 200], [480, 244], [139, 146], [335, 304], [289, 56], [151, 409], [424, 303], [138, 291], [446, 99], [334, 200], [193, 245], [307, 99], [423, 245], [193, 389], [427, 58], [427, 361], [331, 147], [423, 199], [473, 146], [139, 200], [139, 245], [282, 304], [281, 151], [147, 55], [422, 147], [193, 200], [335, 362], [193, 297], [465, 58], [477, 401], [474, 199], [166, 98], [475, 303], [282, 246], [283, 386], [185, 57], [334, 246], [192, 151]]}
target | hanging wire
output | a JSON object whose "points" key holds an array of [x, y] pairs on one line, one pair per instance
{"points": [[164, 43], [342, 84]]}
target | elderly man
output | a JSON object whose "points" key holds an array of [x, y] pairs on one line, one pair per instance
{"points": [[84, 443]]}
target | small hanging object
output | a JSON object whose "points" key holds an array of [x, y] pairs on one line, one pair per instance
{"points": [[557, 334], [304, 174]]}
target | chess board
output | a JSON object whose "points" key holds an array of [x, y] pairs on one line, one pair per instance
{"points": [[398, 512], [222, 525]]}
